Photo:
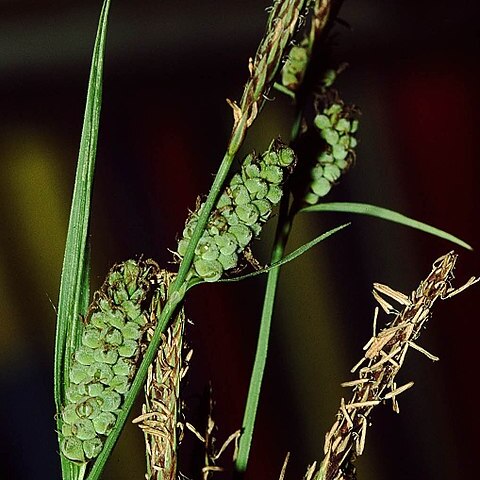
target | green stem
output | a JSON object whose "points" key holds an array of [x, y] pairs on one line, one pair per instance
{"points": [[284, 226]]}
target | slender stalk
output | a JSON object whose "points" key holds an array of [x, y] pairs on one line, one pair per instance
{"points": [[284, 226]]}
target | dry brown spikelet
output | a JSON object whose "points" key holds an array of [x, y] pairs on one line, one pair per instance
{"points": [[160, 419], [384, 356]]}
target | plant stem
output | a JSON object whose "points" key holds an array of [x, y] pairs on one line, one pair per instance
{"points": [[282, 233]]}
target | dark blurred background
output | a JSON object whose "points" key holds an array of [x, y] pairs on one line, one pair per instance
{"points": [[169, 67]]}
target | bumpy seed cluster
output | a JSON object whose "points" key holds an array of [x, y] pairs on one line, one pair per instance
{"points": [[295, 66], [105, 362], [245, 205], [337, 126]]}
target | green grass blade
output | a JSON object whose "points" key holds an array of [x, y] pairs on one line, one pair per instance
{"points": [[379, 212], [286, 259], [74, 284], [263, 338]]}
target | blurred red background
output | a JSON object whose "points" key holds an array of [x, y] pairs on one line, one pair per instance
{"points": [[169, 67]]}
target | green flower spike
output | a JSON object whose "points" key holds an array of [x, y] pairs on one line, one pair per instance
{"points": [[104, 364], [335, 125], [245, 205]]}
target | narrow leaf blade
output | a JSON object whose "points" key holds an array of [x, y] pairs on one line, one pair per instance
{"points": [[74, 284], [385, 214]]}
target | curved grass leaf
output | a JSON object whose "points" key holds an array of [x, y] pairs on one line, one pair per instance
{"points": [[74, 284], [256, 378], [379, 212], [287, 258]]}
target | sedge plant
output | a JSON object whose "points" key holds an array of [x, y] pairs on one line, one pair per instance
{"points": [[128, 336]]}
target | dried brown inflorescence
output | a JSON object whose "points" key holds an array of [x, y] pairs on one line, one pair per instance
{"points": [[160, 419], [384, 356]]}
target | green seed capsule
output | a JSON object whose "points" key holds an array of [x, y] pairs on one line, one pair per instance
{"points": [[72, 448], [274, 194], [343, 125], [104, 423], [78, 373], [123, 366], [242, 233], [311, 198], [131, 331], [256, 187], [330, 136], [317, 172], [106, 356], [95, 389], [286, 157], [272, 174], [67, 430], [240, 195], [109, 401], [84, 429], [69, 414], [322, 122], [115, 318], [247, 214], [99, 372], [228, 261], [92, 448], [128, 349], [339, 152], [92, 338], [342, 164], [114, 338], [120, 383], [321, 187], [207, 248], [223, 201], [264, 208], [227, 243], [331, 173], [210, 271], [85, 355], [89, 408], [325, 158], [251, 171], [231, 217]]}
